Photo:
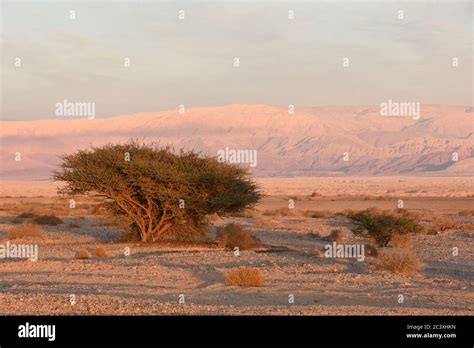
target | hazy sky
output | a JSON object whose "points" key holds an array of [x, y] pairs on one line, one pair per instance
{"points": [[190, 61]]}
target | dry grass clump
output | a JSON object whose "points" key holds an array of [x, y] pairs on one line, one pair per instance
{"points": [[74, 225], [466, 212], [314, 235], [262, 222], [244, 276], [233, 235], [52, 220], [400, 241], [370, 250], [319, 214], [335, 236], [99, 252], [285, 211], [82, 255], [16, 221], [442, 223], [25, 231], [397, 261], [316, 194], [27, 215]]}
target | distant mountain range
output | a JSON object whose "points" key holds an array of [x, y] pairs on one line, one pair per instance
{"points": [[333, 140]]}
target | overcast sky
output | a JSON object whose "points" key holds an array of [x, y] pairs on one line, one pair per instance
{"points": [[190, 61]]}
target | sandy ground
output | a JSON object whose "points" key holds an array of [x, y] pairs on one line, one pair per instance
{"points": [[151, 279], [413, 186]]}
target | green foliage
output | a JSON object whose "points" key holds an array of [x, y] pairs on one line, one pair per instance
{"points": [[382, 226], [149, 185]]}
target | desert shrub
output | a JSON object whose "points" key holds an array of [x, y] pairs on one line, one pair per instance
{"points": [[316, 194], [48, 220], [370, 250], [381, 226], [82, 255], [26, 215], [466, 212], [319, 214], [335, 236], [468, 226], [262, 222], [99, 252], [442, 223], [400, 240], [314, 235], [74, 225], [285, 211], [163, 194], [397, 261], [233, 235], [25, 231], [244, 276], [16, 221]]}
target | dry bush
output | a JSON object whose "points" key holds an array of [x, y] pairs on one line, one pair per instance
{"points": [[346, 212], [16, 221], [321, 214], [74, 225], [233, 235], [244, 276], [82, 255], [318, 253], [469, 227], [25, 231], [99, 252], [27, 215], [442, 223], [314, 235], [466, 212], [397, 261], [370, 250], [214, 217], [285, 211], [400, 241], [335, 236], [316, 194], [48, 220], [261, 222]]}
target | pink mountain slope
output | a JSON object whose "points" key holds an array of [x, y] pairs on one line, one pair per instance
{"points": [[312, 141]]}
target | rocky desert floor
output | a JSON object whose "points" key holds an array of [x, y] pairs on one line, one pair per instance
{"points": [[188, 279]]}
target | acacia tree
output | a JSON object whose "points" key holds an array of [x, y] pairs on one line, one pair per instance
{"points": [[163, 194]]}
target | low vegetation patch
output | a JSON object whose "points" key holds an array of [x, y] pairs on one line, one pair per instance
{"points": [[382, 226], [244, 276], [82, 255], [25, 231], [397, 261], [99, 252], [335, 236], [319, 214], [400, 241], [442, 223], [233, 235], [27, 215], [285, 211], [52, 220]]}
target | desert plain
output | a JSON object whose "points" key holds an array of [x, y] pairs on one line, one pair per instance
{"points": [[189, 278]]}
